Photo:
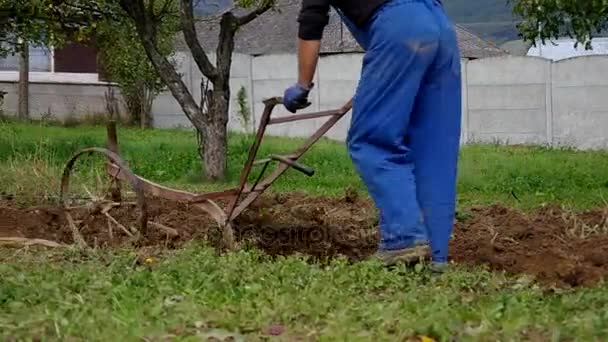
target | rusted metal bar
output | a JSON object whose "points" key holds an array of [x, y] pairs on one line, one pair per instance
{"points": [[126, 173], [112, 145], [253, 195], [289, 161], [120, 171], [213, 195], [154, 189], [306, 116], [112, 137], [270, 104], [259, 178], [205, 204]]}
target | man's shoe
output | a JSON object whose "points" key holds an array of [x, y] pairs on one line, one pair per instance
{"points": [[405, 255], [438, 267]]}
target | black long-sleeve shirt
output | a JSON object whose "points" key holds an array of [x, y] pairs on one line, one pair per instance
{"points": [[314, 14]]}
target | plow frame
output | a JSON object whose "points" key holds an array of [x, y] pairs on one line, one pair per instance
{"points": [[238, 198]]}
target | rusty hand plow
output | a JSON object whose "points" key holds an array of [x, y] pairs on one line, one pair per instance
{"points": [[237, 199]]}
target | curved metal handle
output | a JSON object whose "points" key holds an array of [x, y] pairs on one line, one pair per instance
{"points": [[273, 101]]}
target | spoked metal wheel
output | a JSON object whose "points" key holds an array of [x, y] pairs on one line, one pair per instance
{"points": [[111, 194]]}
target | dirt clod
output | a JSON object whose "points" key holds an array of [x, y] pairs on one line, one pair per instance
{"points": [[556, 247]]}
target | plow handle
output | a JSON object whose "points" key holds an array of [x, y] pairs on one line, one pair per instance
{"points": [[304, 169]]}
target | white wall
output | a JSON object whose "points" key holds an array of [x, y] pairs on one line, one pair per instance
{"points": [[512, 100], [59, 95], [506, 100], [337, 86], [580, 102], [167, 112]]}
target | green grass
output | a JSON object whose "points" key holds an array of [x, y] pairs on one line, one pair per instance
{"points": [[32, 157], [193, 293]]}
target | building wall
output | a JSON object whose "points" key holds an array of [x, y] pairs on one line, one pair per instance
{"points": [[70, 58], [510, 100], [59, 95]]}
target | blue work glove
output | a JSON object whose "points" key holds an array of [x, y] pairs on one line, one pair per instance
{"points": [[296, 97]]}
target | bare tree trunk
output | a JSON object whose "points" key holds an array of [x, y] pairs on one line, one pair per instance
{"points": [[24, 81], [215, 137], [146, 108], [210, 123], [143, 117]]}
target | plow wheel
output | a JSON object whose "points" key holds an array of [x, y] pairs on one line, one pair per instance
{"points": [[90, 194]]}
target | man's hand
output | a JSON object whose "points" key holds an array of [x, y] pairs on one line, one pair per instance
{"points": [[296, 97]]}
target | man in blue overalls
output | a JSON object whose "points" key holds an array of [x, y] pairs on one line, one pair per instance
{"points": [[405, 130]]}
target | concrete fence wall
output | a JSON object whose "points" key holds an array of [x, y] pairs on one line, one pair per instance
{"points": [[59, 95], [510, 100], [579, 93], [530, 100], [167, 112]]}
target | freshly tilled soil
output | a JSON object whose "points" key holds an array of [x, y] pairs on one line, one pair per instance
{"points": [[557, 247]]}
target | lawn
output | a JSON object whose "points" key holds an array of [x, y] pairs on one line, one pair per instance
{"points": [[192, 294], [525, 177]]}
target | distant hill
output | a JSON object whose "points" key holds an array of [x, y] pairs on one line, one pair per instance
{"points": [[490, 19]]}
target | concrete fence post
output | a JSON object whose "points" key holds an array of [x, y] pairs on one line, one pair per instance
{"points": [[465, 103], [318, 86], [549, 101], [254, 124]]}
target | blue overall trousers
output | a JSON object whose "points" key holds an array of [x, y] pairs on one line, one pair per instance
{"points": [[404, 136]]}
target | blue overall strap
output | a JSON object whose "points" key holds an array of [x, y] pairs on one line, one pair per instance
{"points": [[405, 130]]}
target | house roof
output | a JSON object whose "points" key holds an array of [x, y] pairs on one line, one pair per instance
{"points": [[516, 47], [275, 32]]}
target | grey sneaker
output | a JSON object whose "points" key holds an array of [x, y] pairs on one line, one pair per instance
{"points": [[406, 255], [438, 267]]}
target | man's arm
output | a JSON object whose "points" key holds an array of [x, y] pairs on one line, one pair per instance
{"points": [[313, 18], [308, 57]]}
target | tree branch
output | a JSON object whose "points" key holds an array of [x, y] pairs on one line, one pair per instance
{"points": [[166, 9], [189, 31], [92, 10], [215, 17], [229, 24], [58, 14], [225, 45], [245, 19], [151, 8], [136, 9]]}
